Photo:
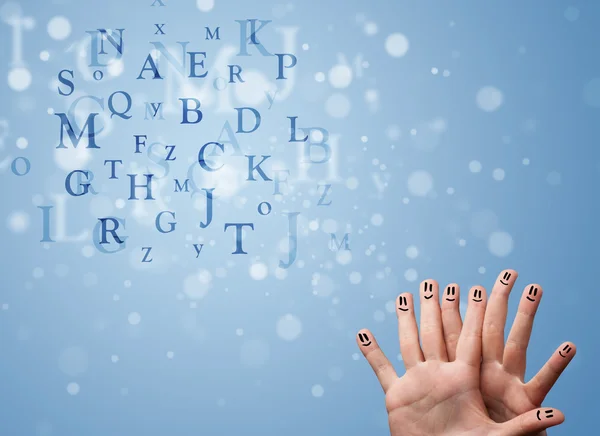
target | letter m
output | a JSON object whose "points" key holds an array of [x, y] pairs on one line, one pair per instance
{"points": [[333, 244], [65, 126], [212, 35], [185, 187]]}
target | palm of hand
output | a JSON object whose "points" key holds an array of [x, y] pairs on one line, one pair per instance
{"points": [[504, 394], [442, 395]]}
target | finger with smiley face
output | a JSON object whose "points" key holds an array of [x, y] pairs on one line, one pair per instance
{"points": [[381, 365], [533, 422], [539, 386], [451, 320], [495, 316], [407, 331], [518, 339], [432, 336], [468, 348], [403, 303]]}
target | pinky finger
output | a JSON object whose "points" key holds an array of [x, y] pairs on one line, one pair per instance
{"points": [[539, 386], [533, 421], [381, 365]]}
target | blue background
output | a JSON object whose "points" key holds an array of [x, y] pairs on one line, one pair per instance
{"points": [[221, 349]]}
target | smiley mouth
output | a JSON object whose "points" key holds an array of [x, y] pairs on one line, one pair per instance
{"points": [[538, 415], [427, 298], [403, 310], [561, 355], [450, 299], [367, 344], [530, 299], [505, 284], [477, 300]]}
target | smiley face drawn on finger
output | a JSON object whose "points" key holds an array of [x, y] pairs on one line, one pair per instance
{"points": [[364, 339], [532, 293], [505, 278], [477, 295], [450, 293], [566, 349], [426, 290], [402, 304], [548, 413]]}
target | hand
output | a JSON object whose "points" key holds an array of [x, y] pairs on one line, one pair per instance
{"points": [[438, 395], [504, 391]]}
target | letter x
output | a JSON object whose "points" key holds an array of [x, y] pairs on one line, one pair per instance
{"points": [[159, 28]]}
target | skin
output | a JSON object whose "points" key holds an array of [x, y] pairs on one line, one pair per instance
{"points": [[446, 389], [503, 387]]}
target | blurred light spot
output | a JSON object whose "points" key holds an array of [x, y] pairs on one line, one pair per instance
{"points": [[289, 327], [500, 244], [489, 98], [59, 28], [396, 45]]}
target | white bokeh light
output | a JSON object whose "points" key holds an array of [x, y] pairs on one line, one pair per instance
{"points": [[500, 244], [329, 226], [71, 158], [19, 79], [475, 166], [258, 271], [116, 67], [338, 106], [59, 28], [411, 275], [18, 222], [227, 181], [134, 318], [252, 90], [289, 327], [396, 45], [489, 98], [22, 143], [205, 5], [323, 285], [355, 277], [317, 391], [377, 219], [420, 183], [498, 174], [343, 257], [73, 388], [196, 286], [352, 183], [412, 252], [340, 76]]}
